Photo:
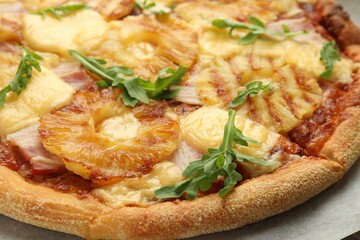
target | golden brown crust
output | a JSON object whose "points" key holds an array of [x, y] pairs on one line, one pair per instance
{"points": [[250, 202], [42, 206], [338, 23], [344, 144]]}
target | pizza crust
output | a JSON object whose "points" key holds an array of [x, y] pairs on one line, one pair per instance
{"points": [[44, 207], [344, 145], [250, 202], [337, 22], [346, 136]]}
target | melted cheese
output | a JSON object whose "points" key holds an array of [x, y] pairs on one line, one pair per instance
{"points": [[303, 55], [204, 129], [45, 92], [139, 190], [49, 34]]}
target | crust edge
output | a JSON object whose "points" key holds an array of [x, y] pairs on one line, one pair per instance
{"points": [[252, 201]]}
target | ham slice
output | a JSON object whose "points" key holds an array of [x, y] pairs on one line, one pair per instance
{"points": [[185, 154], [12, 7], [296, 25], [73, 74], [32, 150]]}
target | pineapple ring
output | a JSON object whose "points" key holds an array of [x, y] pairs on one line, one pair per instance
{"points": [[72, 133]]}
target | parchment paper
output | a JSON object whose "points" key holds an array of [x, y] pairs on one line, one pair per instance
{"points": [[332, 215]]}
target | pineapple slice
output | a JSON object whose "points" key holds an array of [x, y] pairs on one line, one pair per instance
{"points": [[147, 44], [216, 84], [295, 97], [113, 9], [101, 139]]}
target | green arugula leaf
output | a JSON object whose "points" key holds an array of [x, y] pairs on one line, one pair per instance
{"points": [[203, 173], [252, 89], [23, 74], [127, 99], [256, 28], [149, 6], [135, 89], [61, 11], [329, 55]]}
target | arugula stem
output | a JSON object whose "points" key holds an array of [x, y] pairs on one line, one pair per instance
{"points": [[228, 134], [134, 88], [23, 74], [94, 67]]}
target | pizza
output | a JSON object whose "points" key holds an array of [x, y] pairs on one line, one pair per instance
{"points": [[168, 119]]}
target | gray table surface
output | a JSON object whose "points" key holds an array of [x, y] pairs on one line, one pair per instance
{"points": [[332, 215]]}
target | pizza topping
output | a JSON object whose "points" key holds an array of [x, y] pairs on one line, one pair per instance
{"points": [[329, 55], [219, 162], [152, 7], [23, 75], [73, 74], [203, 129], [113, 9], [184, 154], [58, 36], [312, 133], [256, 27], [8, 158], [44, 92], [146, 45], [139, 191], [252, 89], [81, 135], [32, 150], [134, 88], [61, 11]]}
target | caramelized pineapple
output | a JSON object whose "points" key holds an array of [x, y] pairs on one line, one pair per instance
{"points": [[113, 9], [295, 96], [146, 44], [101, 139]]}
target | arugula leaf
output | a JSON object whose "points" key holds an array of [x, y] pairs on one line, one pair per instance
{"points": [[256, 28], [149, 6], [218, 162], [252, 89], [135, 89], [61, 11], [329, 55], [23, 74]]}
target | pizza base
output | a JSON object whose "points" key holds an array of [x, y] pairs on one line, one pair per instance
{"points": [[252, 201]]}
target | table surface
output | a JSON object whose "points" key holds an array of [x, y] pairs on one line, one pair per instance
{"points": [[13, 230]]}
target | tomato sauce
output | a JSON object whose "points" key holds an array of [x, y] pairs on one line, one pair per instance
{"points": [[315, 131], [66, 182]]}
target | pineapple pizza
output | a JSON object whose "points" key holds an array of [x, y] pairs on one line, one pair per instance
{"points": [[166, 119]]}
